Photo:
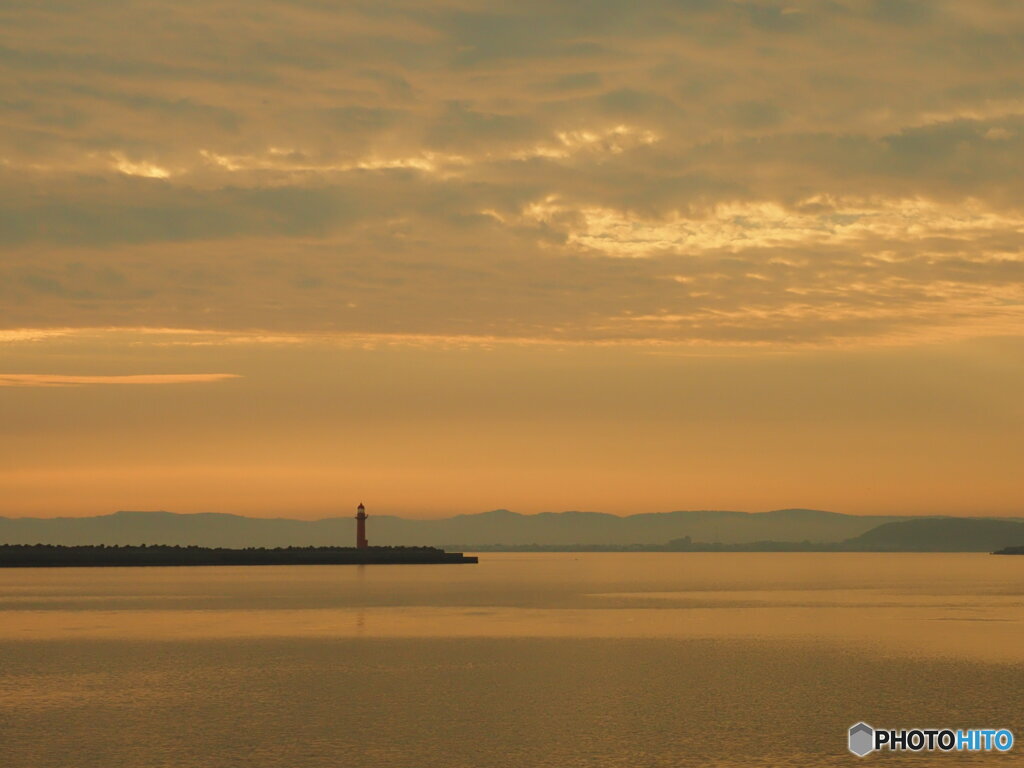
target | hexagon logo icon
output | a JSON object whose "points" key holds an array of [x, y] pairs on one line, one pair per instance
{"points": [[861, 739]]}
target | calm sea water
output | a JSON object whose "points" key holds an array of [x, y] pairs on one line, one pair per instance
{"points": [[632, 660]]}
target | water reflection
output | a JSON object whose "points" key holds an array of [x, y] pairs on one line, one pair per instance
{"points": [[634, 660], [963, 605]]}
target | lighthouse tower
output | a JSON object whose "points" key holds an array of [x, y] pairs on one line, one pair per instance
{"points": [[361, 541]]}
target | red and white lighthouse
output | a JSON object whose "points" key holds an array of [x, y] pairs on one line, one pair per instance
{"points": [[361, 541]]}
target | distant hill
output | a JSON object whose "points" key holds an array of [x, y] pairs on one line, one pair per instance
{"points": [[949, 534], [498, 527], [1010, 551]]}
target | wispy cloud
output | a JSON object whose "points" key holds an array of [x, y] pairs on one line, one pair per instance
{"points": [[13, 335], [53, 380]]}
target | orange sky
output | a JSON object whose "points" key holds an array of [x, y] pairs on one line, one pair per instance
{"points": [[309, 428], [538, 256]]}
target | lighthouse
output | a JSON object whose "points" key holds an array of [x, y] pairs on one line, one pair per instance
{"points": [[361, 542]]}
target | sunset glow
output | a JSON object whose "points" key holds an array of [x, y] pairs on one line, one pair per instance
{"points": [[452, 258]]}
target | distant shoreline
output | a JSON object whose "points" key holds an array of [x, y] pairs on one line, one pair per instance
{"points": [[58, 556], [795, 530], [1009, 551]]}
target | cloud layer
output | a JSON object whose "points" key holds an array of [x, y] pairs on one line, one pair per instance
{"points": [[699, 171], [54, 380]]}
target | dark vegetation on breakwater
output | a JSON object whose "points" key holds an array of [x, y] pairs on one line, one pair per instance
{"points": [[48, 555]]}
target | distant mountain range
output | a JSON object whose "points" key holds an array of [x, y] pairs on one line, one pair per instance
{"points": [[499, 527], [795, 529]]}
